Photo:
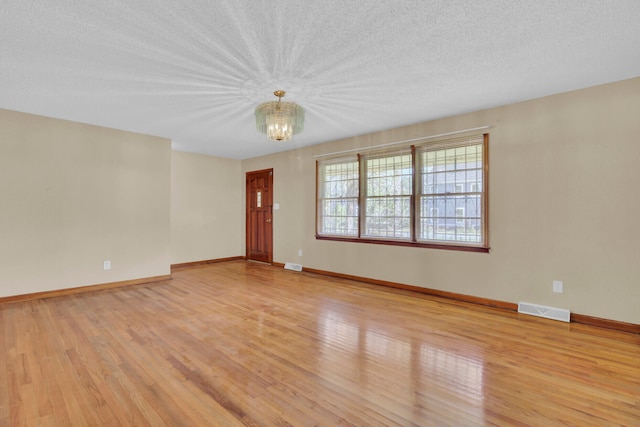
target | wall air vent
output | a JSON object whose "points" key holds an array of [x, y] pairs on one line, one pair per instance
{"points": [[292, 266], [543, 311]]}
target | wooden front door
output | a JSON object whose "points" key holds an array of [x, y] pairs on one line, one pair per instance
{"points": [[259, 215]]}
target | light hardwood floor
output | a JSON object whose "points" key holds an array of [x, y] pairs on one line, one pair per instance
{"points": [[241, 343]]}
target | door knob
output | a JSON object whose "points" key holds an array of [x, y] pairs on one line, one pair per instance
{"points": [[269, 220]]}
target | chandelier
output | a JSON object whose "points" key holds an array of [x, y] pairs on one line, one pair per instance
{"points": [[279, 120]]}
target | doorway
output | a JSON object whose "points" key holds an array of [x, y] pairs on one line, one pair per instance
{"points": [[259, 228]]}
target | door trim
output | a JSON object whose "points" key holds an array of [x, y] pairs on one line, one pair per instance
{"points": [[268, 235]]}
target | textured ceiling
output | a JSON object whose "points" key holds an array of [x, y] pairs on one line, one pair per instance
{"points": [[194, 71]]}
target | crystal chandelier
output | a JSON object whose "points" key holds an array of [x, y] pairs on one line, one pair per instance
{"points": [[279, 120]]}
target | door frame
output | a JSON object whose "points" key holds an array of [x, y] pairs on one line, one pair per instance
{"points": [[269, 234]]}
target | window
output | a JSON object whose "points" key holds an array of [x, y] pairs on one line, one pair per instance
{"points": [[338, 191], [387, 195], [450, 168], [429, 195]]}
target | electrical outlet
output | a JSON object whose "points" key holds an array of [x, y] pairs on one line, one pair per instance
{"points": [[558, 286], [106, 265], [299, 252]]}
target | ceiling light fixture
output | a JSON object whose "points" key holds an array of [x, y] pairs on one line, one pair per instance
{"points": [[279, 120]]}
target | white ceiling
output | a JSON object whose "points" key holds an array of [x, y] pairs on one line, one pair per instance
{"points": [[195, 70]]}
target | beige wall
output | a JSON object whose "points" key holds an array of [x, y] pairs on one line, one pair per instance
{"points": [[564, 205], [75, 195], [206, 208]]}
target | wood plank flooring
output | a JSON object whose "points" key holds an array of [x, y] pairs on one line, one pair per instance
{"points": [[241, 343]]}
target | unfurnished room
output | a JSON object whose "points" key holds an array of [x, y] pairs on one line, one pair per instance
{"points": [[336, 213]]}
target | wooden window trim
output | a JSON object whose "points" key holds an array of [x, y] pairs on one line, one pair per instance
{"points": [[412, 200], [407, 243], [361, 200]]}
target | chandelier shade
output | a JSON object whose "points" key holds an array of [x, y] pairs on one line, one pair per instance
{"points": [[279, 120]]}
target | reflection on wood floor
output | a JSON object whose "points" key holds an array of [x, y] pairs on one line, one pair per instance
{"points": [[241, 343]]}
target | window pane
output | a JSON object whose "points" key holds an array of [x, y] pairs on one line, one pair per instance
{"points": [[338, 189], [450, 207], [388, 217], [340, 217], [388, 196]]}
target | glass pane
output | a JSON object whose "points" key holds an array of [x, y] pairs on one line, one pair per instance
{"points": [[340, 217], [450, 218], [388, 217], [388, 176], [338, 201], [388, 203], [450, 202]]}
